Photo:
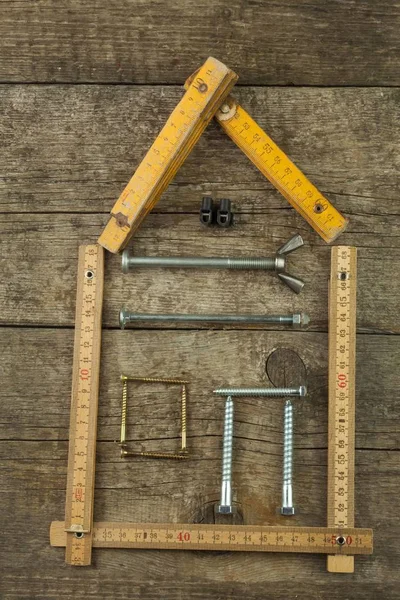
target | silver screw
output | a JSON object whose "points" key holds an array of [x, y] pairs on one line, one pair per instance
{"points": [[297, 320], [287, 507], [270, 392], [276, 263], [225, 506]]}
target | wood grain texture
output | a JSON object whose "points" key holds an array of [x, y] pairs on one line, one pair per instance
{"points": [[74, 148], [267, 43], [67, 152], [34, 470], [38, 286]]}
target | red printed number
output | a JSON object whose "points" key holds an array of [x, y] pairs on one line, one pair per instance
{"points": [[183, 536], [342, 380], [84, 375]]}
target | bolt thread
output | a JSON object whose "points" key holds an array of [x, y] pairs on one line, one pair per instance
{"points": [[227, 442], [288, 443], [266, 264], [179, 318], [270, 392]]}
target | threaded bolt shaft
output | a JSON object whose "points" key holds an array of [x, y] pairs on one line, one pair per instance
{"points": [[296, 320], [269, 392], [266, 264], [225, 506], [275, 263], [287, 507]]}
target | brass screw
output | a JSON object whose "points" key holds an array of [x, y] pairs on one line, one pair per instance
{"points": [[183, 419], [183, 452]]}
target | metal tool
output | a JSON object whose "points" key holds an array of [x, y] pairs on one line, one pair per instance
{"points": [[276, 263], [278, 392], [297, 320], [287, 507], [125, 451], [225, 506]]}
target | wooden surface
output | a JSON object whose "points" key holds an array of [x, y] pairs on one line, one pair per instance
{"points": [[67, 151]]}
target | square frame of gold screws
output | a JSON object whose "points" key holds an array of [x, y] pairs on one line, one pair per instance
{"points": [[125, 451]]}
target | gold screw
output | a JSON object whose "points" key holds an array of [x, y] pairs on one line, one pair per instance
{"points": [[183, 452]]}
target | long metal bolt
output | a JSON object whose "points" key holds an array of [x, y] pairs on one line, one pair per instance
{"points": [[297, 320], [225, 506], [270, 392], [287, 507], [276, 263]]}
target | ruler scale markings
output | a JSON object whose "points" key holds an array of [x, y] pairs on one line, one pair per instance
{"points": [[281, 172], [84, 401], [172, 536], [341, 433], [209, 87]]}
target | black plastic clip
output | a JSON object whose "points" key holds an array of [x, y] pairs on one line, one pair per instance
{"points": [[224, 213], [207, 211]]}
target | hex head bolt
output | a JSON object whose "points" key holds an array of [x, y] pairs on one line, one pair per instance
{"points": [[297, 320], [225, 506], [287, 508], [276, 263]]}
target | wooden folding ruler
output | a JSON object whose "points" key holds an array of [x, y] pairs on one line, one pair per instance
{"points": [[340, 540], [341, 432], [206, 97], [78, 526]]}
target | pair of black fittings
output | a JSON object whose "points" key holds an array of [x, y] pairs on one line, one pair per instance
{"points": [[209, 214]]}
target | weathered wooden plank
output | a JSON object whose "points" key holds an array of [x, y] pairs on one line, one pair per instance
{"points": [[208, 360], [285, 43], [78, 153], [167, 491], [38, 285]]}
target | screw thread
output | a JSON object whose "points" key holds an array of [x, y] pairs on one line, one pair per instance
{"points": [[153, 380], [155, 455], [270, 392], [227, 442], [183, 417], [124, 404], [288, 443]]}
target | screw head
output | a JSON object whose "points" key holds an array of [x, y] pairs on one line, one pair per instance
{"points": [[226, 509], [123, 318], [287, 511], [300, 320], [125, 261]]}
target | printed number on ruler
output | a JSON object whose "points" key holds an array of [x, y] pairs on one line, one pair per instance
{"points": [[84, 403], [173, 536], [281, 171], [344, 372]]}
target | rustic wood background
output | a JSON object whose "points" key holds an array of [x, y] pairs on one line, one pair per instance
{"points": [[85, 87]]}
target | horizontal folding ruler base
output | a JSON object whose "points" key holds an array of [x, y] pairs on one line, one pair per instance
{"points": [[340, 540]]}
